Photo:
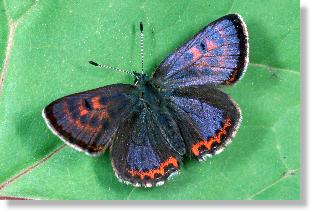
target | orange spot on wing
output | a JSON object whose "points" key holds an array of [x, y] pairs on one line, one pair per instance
{"points": [[160, 170], [210, 45], [196, 53], [82, 112], [96, 103], [77, 123], [210, 141]]}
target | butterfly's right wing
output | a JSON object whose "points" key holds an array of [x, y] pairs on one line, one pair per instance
{"points": [[87, 120], [217, 55]]}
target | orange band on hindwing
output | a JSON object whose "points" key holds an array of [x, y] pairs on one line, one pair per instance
{"points": [[160, 170], [215, 139]]}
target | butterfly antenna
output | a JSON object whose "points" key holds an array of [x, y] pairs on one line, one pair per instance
{"points": [[110, 67], [142, 46]]}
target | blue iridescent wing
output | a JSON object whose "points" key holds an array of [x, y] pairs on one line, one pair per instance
{"points": [[207, 118], [218, 54], [144, 151], [87, 120]]}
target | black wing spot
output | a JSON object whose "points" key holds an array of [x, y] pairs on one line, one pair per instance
{"points": [[87, 104], [203, 46]]}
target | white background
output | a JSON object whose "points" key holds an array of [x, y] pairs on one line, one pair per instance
{"points": [[303, 205]]}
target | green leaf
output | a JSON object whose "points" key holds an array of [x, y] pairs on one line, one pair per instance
{"points": [[45, 46]]}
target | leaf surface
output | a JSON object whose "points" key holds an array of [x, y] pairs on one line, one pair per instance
{"points": [[44, 49]]}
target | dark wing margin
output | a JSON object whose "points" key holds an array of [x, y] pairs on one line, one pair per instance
{"points": [[141, 156], [208, 119], [86, 121], [217, 55]]}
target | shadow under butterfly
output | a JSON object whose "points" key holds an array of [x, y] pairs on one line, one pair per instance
{"points": [[177, 112]]}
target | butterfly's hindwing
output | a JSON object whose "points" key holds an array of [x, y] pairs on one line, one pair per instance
{"points": [[207, 118], [87, 120], [216, 55], [141, 155]]}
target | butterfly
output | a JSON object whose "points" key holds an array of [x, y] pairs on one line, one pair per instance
{"points": [[178, 112]]}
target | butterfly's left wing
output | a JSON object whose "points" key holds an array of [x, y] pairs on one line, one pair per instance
{"points": [[218, 54], [87, 120], [208, 119]]}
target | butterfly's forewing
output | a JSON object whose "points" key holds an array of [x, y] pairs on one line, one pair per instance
{"points": [[141, 154], [207, 117], [87, 120], [218, 54]]}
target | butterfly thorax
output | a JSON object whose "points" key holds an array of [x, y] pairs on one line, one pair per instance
{"points": [[148, 91]]}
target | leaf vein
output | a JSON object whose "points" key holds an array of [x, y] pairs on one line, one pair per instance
{"points": [[12, 28], [30, 168], [285, 175], [271, 68]]}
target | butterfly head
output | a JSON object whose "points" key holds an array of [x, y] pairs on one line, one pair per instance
{"points": [[140, 79]]}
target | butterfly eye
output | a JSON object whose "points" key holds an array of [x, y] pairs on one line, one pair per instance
{"points": [[202, 46]]}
